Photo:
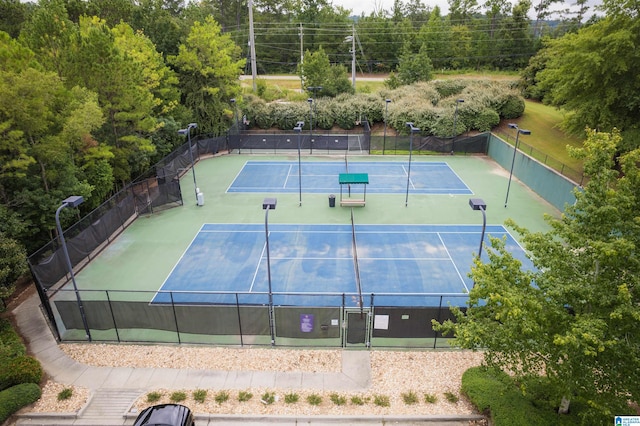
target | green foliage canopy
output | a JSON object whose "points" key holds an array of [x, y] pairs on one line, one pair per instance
{"points": [[575, 319]]}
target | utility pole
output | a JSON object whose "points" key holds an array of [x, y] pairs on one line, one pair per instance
{"points": [[353, 57], [301, 55], [252, 43]]}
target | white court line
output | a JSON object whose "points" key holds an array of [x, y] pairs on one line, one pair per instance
{"points": [[287, 178], [176, 264], [236, 177], [453, 263], [255, 274]]}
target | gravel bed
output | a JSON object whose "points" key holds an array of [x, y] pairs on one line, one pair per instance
{"points": [[395, 375]]}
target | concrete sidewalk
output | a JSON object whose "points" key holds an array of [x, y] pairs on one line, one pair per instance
{"points": [[114, 390]]}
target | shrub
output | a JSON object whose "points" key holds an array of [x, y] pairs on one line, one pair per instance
{"points": [[16, 397], [451, 397], [314, 399], [486, 120], [153, 396], [410, 398], [10, 344], [512, 107], [244, 396], [178, 396], [448, 88], [65, 394], [338, 399], [493, 391], [22, 369], [430, 398], [381, 400], [199, 395], [221, 397], [291, 398], [268, 398], [357, 400]]}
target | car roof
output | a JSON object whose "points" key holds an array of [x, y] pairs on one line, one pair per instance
{"points": [[164, 415]]}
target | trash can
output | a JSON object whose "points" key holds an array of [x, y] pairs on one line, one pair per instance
{"points": [[199, 198], [332, 200]]}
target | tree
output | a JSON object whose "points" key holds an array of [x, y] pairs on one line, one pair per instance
{"points": [[592, 74], [414, 67], [318, 71], [12, 265], [575, 318], [208, 66], [436, 36]]}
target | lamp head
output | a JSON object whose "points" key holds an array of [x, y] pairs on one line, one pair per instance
{"points": [[310, 100], [387, 100], [525, 132], [232, 100], [513, 125], [192, 125], [459, 100], [412, 127], [73, 201], [477, 204], [269, 203]]}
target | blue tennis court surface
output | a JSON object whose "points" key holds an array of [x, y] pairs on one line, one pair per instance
{"points": [[403, 265], [389, 177]]}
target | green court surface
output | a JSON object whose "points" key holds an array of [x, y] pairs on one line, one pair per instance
{"points": [[143, 256]]}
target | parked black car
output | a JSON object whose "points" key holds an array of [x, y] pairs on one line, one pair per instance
{"points": [[165, 415]]}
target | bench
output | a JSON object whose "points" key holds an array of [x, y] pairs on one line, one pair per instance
{"points": [[353, 202]]}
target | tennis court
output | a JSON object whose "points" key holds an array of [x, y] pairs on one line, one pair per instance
{"points": [[392, 261], [385, 177], [200, 273]]}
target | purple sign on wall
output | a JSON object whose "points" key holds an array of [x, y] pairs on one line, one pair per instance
{"points": [[306, 323]]}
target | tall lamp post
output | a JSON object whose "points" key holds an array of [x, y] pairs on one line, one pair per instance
{"points": [[314, 90], [310, 100], [187, 132], [384, 139], [479, 204], [269, 204], [414, 129], [455, 118], [72, 202], [235, 114], [513, 160], [298, 130]]}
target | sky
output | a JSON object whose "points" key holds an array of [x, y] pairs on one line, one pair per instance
{"points": [[368, 6]]}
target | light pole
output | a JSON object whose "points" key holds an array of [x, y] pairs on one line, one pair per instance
{"points": [[187, 132], [413, 130], [310, 100], [313, 90], [235, 114], [384, 139], [479, 204], [269, 204], [72, 202], [513, 160], [455, 118], [298, 130]]}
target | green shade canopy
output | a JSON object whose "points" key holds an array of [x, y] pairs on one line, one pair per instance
{"points": [[354, 178]]}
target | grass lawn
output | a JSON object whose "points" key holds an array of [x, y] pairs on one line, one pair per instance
{"points": [[546, 135]]}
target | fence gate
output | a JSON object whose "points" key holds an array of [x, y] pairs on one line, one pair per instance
{"points": [[357, 328]]}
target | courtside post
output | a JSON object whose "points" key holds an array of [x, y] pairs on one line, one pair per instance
{"points": [[269, 204]]}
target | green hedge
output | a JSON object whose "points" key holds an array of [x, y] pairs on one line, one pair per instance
{"points": [[10, 343], [16, 397], [495, 393], [21, 369], [430, 106]]}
